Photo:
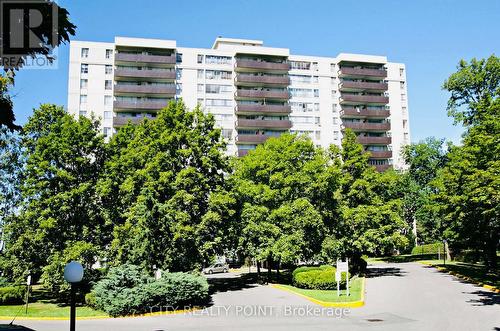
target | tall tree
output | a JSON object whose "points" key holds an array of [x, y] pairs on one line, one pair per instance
{"points": [[64, 158]]}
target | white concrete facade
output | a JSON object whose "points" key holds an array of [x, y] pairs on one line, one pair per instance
{"points": [[208, 77]]}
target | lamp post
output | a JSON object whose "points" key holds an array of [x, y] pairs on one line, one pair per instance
{"points": [[73, 273]]}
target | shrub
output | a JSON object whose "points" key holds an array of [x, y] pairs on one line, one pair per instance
{"points": [[427, 249], [90, 300], [318, 278], [127, 290], [12, 295]]}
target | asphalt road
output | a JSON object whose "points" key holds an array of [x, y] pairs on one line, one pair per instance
{"points": [[398, 297]]}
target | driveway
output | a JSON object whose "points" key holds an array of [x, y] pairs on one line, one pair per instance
{"points": [[406, 296]]}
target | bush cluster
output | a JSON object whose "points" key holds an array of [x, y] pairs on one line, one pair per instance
{"points": [[12, 295], [427, 249], [127, 290], [317, 278]]}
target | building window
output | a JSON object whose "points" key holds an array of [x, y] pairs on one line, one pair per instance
{"points": [[178, 73], [222, 89], [405, 122], [178, 57], [83, 113], [318, 135], [200, 58], [178, 88], [334, 107], [218, 74], [107, 100], [108, 69], [85, 53], [200, 73], [83, 99], [84, 68], [315, 66], [107, 115], [315, 79], [213, 59], [335, 135], [403, 97], [108, 84], [335, 121], [317, 120], [227, 134], [300, 65], [402, 85], [107, 131], [401, 72], [332, 67], [109, 52], [201, 88], [316, 93], [84, 83], [404, 110]]}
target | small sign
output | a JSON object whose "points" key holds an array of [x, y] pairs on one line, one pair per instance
{"points": [[158, 274], [342, 266], [28, 281]]}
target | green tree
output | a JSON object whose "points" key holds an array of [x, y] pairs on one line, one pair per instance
{"points": [[163, 190], [64, 158], [469, 185]]}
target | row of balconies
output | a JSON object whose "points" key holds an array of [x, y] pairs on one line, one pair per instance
{"points": [[362, 86], [251, 138], [148, 74], [246, 79], [365, 99], [363, 112], [119, 121], [382, 167], [380, 154], [374, 140], [362, 72], [262, 94], [366, 126], [146, 89], [264, 124], [260, 65], [262, 108], [146, 58], [142, 105]]}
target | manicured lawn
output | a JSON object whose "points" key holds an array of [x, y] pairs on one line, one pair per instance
{"points": [[44, 309], [474, 271], [356, 287]]}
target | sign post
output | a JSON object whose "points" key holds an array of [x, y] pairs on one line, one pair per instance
{"points": [[28, 283], [342, 267]]}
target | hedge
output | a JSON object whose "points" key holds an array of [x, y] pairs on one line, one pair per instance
{"points": [[317, 278], [427, 249], [12, 295], [126, 290]]}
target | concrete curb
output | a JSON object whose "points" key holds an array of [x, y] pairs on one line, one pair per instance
{"points": [[453, 273], [353, 304], [159, 313]]}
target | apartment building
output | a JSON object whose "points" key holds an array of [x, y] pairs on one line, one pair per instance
{"points": [[253, 91]]}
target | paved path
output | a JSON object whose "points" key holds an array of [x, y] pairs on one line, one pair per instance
{"points": [[399, 297]]}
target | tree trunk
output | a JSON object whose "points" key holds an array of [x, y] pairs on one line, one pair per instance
{"points": [[491, 252], [269, 269], [258, 269], [278, 271]]}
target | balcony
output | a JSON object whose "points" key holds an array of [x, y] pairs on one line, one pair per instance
{"points": [[382, 167], [360, 126], [374, 140], [257, 65], [380, 154], [120, 121], [262, 108], [262, 94], [251, 138], [361, 112], [148, 105], [363, 86], [362, 72], [145, 89], [264, 80], [144, 58], [265, 124], [242, 152], [365, 99], [144, 74]]}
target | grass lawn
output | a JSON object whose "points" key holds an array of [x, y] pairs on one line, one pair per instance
{"points": [[44, 309], [356, 287], [474, 271]]}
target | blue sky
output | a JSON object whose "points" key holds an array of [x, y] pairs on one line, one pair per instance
{"points": [[429, 36]]}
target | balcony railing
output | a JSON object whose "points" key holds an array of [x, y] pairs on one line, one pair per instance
{"points": [[255, 65], [349, 85], [362, 72], [145, 89], [259, 108], [151, 105], [372, 99], [262, 94], [380, 154], [119, 121], [243, 152], [134, 73], [374, 140], [275, 124], [262, 80], [251, 138], [144, 58], [353, 112], [360, 126]]}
